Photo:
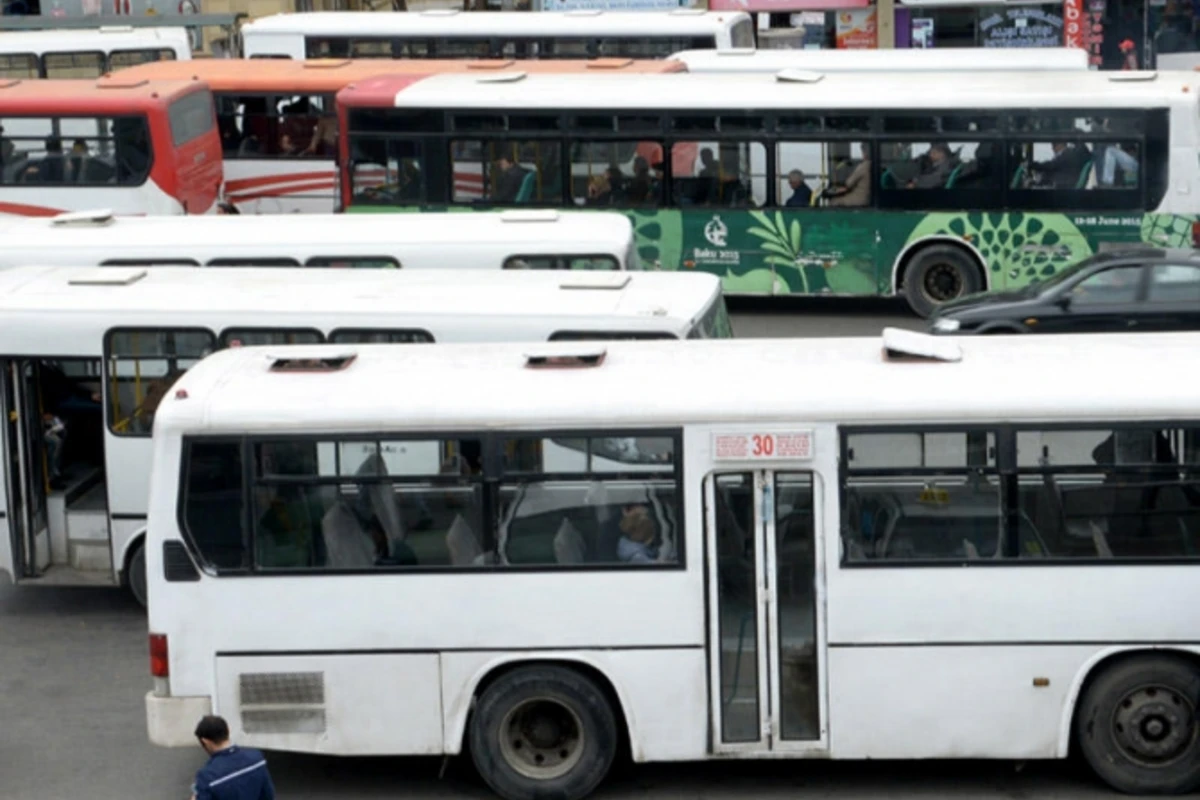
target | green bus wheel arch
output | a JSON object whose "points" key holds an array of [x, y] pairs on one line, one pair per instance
{"points": [[1017, 248]]}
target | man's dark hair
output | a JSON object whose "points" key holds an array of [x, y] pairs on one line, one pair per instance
{"points": [[213, 728]]}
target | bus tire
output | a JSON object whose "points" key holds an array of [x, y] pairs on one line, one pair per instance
{"points": [[1136, 725], [543, 732], [939, 273], [135, 573]]}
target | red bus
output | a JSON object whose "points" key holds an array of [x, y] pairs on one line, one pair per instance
{"points": [[131, 147]]}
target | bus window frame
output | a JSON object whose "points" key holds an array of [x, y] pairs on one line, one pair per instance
{"points": [[331, 338], [223, 343], [108, 357]]}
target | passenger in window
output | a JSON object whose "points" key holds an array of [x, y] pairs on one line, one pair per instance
{"points": [[285, 527], [50, 168], [287, 147], [801, 191], [856, 191], [509, 181], [936, 166], [1114, 157], [324, 138], [231, 137], [636, 543], [1065, 170], [616, 182], [599, 191], [708, 161], [641, 186], [79, 154]]}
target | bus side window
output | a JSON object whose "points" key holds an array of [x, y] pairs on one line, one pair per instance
{"points": [[142, 364]]}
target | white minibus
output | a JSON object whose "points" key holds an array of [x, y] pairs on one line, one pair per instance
{"points": [[98, 348], [903, 547], [88, 53], [517, 239], [450, 33]]}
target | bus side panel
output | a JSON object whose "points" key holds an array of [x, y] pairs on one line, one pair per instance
{"points": [[281, 186], [966, 702], [661, 692], [348, 704]]}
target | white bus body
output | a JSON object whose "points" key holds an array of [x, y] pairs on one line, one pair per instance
{"points": [[485, 240], [88, 53], [99, 347], [949, 59], [496, 34], [878, 555]]}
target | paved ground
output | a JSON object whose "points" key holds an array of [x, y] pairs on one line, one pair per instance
{"points": [[73, 671]]}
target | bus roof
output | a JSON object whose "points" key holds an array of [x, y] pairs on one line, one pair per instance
{"points": [[65, 311], [495, 23], [330, 75], [52, 96], [970, 59], [815, 90], [107, 38], [136, 235], [442, 387]]}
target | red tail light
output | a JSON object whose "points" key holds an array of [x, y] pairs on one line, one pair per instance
{"points": [[159, 665], [1196, 234]]}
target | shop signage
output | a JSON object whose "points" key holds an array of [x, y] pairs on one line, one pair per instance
{"points": [[857, 29], [1021, 27], [1073, 24], [613, 5], [785, 5]]}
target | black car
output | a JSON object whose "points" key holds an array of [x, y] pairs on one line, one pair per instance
{"points": [[1141, 289]]}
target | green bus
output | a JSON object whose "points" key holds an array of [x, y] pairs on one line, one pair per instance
{"points": [[932, 185]]}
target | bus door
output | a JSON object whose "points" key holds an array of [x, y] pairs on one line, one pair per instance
{"points": [[25, 476], [765, 596]]}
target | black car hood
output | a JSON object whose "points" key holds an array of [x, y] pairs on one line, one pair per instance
{"points": [[982, 299]]}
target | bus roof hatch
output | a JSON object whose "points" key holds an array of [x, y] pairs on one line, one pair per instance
{"points": [[902, 345]]}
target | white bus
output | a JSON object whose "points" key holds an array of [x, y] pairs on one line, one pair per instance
{"points": [[88, 53], [956, 59], [898, 549], [98, 348], [450, 33], [519, 239]]}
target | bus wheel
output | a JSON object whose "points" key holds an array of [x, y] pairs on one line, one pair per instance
{"points": [[135, 575], [937, 274], [1137, 725], [541, 732]]}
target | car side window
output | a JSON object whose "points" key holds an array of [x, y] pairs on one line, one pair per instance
{"points": [[1174, 283], [1108, 286]]}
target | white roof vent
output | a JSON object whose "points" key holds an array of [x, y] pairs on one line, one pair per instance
{"points": [[107, 276], [529, 215], [736, 51], [566, 355], [310, 362], [502, 77], [798, 76], [611, 281], [441, 12], [1132, 77], [902, 345], [584, 12], [688, 12], [83, 219]]}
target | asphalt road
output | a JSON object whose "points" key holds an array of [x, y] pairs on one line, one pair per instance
{"points": [[74, 670]]}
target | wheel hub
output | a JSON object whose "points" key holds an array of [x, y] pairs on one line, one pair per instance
{"points": [[541, 739], [1154, 725], [942, 283]]}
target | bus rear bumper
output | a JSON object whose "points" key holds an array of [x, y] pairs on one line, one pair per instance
{"points": [[171, 721]]}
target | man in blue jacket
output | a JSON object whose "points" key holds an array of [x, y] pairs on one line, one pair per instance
{"points": [[232, 772]]}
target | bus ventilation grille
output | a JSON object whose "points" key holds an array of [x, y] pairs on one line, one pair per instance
{"points": [[282, 702]]}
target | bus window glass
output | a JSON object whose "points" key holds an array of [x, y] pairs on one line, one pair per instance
{"points": [[64, 150], [389, 171], [365, 336], [249, 337], [213, 508], [940, 164], [602, 263], [353, 262], [832, 173], [253, 261], [191, 116], [74, 65], [305, 126], [119, 59], [19, 66], [714, 324], [597, 500], [506, 173], [711, 173], [741, 35], [1107, 493], [622, 173], [142, 366], [916, 495]]}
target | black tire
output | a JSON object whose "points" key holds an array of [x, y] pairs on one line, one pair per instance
{"points": [[135, 575], [939, 273], [543, 733], [1137, 728]]}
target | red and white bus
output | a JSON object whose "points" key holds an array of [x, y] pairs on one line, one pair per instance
{"points": [[132, 147], [278, 123]]}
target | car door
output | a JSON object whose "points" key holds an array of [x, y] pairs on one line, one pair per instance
{"points": [[1172, 298], [1106, 301]]}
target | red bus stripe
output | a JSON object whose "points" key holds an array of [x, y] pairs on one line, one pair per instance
{"points": [[266, 180], [26, 210]]}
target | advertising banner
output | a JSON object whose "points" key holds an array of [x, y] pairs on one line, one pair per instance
{"points": [[857, 29]]}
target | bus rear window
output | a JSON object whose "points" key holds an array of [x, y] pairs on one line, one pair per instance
{"points": [[714, 324], [191, 117], [74, 65], [119, 59], [19, 66]]}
